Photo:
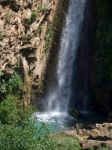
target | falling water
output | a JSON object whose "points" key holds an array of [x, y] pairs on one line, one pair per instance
{"points": [[56, 103]]}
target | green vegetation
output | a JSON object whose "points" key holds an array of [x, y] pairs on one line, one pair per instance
{"points": [[49, 37], [28, 21], [41, 9], [10, 85], [17, 125], [17, 130], [33, 16], [99, 148]]}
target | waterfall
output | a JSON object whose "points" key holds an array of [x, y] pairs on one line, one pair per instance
{"points": [[56, 102]]}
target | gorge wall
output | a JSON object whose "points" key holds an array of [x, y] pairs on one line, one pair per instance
{"points": [[28, 30]]}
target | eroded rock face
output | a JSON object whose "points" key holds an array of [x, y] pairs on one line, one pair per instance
{"points": [[23, 34]]}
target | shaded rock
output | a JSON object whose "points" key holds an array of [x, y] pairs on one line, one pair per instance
{"points": [[85, 126], [95, 143], [27, 50], [79, 126]]}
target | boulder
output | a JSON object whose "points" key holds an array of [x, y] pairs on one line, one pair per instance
{"points": [[102, 131], [95, 143], [92, 135]]}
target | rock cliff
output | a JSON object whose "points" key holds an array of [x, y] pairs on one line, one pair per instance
{"points": [[27, 32]]}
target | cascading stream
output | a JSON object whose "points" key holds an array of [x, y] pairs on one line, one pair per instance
{"points": [[56, 103]]}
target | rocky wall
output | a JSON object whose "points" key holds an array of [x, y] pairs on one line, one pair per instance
{"points": [[28, 31]]}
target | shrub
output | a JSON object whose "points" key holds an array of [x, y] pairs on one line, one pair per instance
{"points": [[12, 111], [17, 128], [12, 85], [67, 143], [33, 16], [28, 21]]}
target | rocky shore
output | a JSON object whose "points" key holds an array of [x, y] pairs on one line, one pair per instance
{"points": [[91, 135]]}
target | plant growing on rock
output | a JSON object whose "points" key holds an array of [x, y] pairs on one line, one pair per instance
{"points": [[10, 85], [33, 16], [28, 21], [49, 37], [42, 10], [17, 131], [2, 34]]}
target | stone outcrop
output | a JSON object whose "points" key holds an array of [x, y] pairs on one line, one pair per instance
{"points": [[29, 39], [92, 135], [26, 38]]}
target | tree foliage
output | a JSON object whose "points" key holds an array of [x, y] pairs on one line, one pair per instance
{"points": [[18, 129]]}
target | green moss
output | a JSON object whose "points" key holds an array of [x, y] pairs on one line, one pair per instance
{"points": [[54, 29], [49, 37], [33, 16]]}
